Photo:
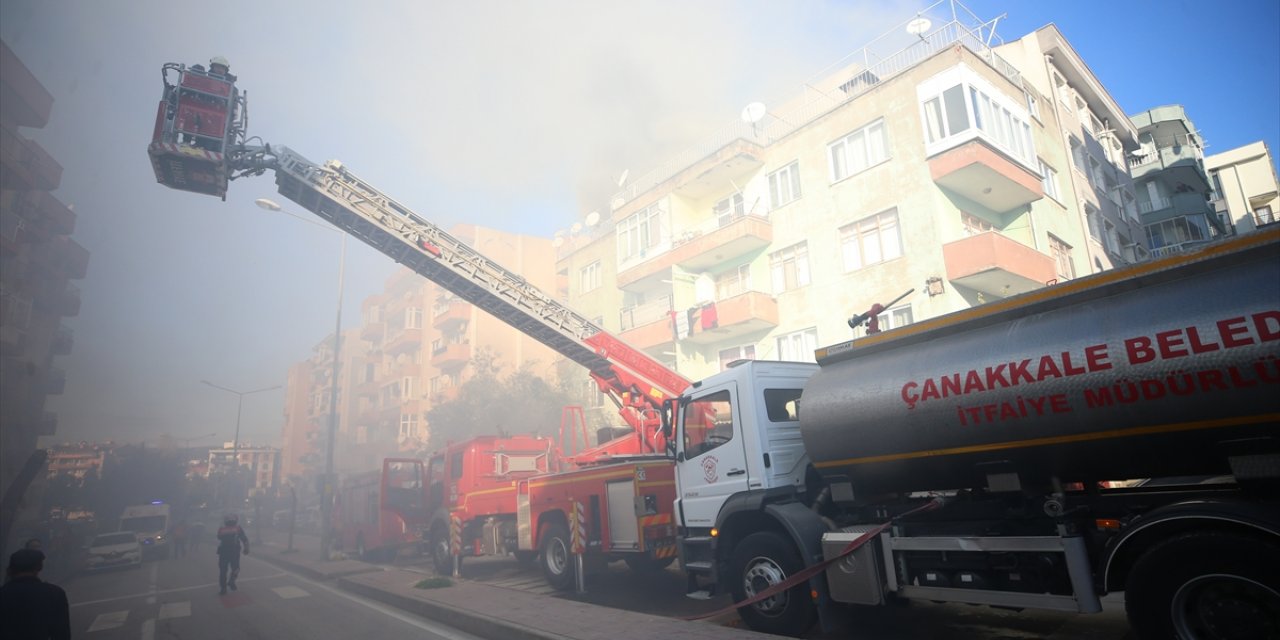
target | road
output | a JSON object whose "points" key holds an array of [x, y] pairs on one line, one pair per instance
{"points": [[178, 599]]}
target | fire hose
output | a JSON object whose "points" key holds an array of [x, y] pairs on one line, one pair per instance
{"points": [[811, 571]]}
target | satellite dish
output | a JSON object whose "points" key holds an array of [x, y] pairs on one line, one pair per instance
{"points": [[919, 26], [593, 218], [622, 179], [558, 242], [576, 228], [617, 203], [752, 113]]}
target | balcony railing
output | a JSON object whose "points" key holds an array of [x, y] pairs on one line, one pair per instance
{"points": [[640, 315]]}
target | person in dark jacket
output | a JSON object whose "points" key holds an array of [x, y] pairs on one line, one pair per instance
{"points": [[30, 607], [230, 539]]}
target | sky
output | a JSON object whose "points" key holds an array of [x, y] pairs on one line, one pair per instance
{"points": [[513, 115]]}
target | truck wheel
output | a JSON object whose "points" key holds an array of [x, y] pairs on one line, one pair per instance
{"points": [[557, 561], [760, 561], [441, 559], [645, 564], [1206, 586]]}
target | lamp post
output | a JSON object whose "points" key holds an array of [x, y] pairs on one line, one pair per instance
{"points": [[235, 443], [326, 500]]}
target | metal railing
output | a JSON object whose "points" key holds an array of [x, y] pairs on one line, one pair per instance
{"points": [[642, 314], [870, 68]]}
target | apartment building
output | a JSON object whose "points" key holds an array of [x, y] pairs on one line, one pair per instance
{"points": [[78, 461], [298, 429], [1172, 186], [414, 347], [1098, 137], [261, 465], [38, 259], [955, 171], [1245, 190]]}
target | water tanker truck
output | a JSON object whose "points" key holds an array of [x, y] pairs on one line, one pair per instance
{"points": [[1113, 433]]}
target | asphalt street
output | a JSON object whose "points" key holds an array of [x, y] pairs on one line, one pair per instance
{"points": [[178, 599]]}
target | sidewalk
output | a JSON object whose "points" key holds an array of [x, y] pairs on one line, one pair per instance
{"points": [[487, 610]]}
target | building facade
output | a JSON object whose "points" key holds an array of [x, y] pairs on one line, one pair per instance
{"points": [[78, 461], [1245, 188], [262, 465], [1173, 188], [949, 171], [38, 259]]}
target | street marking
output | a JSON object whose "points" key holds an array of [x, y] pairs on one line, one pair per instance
{"points": [[175, 610], [151, 599], [109, 620], [290, 592], [149, 629], [211, 585]]}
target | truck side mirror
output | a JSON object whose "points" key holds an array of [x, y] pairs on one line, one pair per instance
{"points": [[668, 405]]}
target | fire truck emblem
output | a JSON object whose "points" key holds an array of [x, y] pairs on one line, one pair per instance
{"points": [[709, 468], [640, 474]]}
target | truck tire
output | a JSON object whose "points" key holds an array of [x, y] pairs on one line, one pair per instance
{"points": [[557, 561], [758, 562], [1206, 586], [441, 559]]}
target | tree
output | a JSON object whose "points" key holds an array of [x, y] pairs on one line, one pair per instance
{"points": [[489, 403], [137, 475]]}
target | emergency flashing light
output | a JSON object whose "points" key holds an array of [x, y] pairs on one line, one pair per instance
{"points": [[157, 502]]}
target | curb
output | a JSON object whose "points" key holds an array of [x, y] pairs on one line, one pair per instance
{"points": [[468, 621]]}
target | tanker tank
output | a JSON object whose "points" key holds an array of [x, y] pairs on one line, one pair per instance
{"points": [[1162, 369]]}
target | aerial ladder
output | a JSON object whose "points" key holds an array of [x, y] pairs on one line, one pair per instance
{"points": [[199, 144]]}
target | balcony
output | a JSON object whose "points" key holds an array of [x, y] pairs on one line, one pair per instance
{"points": [[737, 316], [451, 314], [451, 356], [703, 246], [62, 342], [1179, 205], [978, 172], [648, 325], [62, 256], [1182, 162], [404, 341], [373, 331], [23, 99], [995, 265], [27, 166], [55, 382]]}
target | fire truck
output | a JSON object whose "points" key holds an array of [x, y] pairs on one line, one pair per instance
{"points": [[377, 513], [614, 499]]}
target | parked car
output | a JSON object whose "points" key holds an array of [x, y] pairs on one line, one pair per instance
{"points": [[119, 548]]}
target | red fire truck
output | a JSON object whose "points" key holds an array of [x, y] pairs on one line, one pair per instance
{"points": [[375, 514], [624, 487], [474, 483]]}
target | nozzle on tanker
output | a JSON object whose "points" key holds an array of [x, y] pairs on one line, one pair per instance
{"points": [[875, 310]]}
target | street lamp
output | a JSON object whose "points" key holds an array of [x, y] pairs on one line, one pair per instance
{"points": [[326, 500], [235, 443]]}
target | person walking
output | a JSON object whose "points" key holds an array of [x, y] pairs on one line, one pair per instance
{"points": [[30, 607], [196, 535], [230, 539]]}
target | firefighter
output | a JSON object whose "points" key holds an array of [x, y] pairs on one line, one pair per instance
{"points": [[230, 539], [218, 66]]}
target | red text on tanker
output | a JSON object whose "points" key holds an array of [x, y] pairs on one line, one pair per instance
{"points": [[1232, 333]]}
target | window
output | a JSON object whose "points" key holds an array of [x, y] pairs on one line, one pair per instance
{"points": [[1077, 154], [729, 209], [406, 388], [1095, 228], [413, 318], [782, 405], [1263, 215], [952, 112], [590, 279], [17, 311], [946, 114], [857, 151], [733, 282], [1176, 231], [1049, 181], [708, 423], [408, 425], [890, 319], [871, 240], [973, 225], [790, 267], [784, 185], [1112, 239], [744, 352], [1033, 105], [639, 232], [455, 465], [1062, 89], [1062, 255], [798, 346]]}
